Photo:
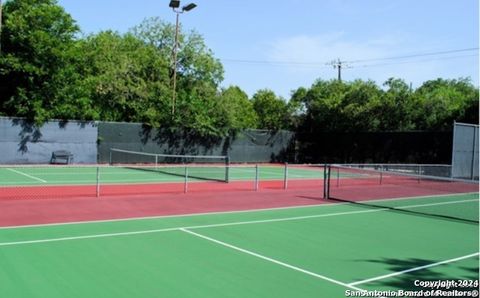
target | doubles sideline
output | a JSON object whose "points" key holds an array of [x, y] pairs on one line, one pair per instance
{"points": [[283, 219]]}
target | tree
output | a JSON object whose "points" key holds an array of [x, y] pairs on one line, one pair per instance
{"points": [[272, 111], [443, 101], [343, 106], [323, 105], [358, 108], [397, 107], [35, 37], [237, 109], [198, 76], [123, 78], [297, 108]]}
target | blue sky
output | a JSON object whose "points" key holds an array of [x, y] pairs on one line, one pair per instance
{"points": [[285, 44]]}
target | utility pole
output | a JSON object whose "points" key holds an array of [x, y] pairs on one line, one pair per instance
{"points": [[339, 67], [338, 64]]}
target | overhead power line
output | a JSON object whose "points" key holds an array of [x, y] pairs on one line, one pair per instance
{"points": [[318, 63], [418, 61], [414, 55]]}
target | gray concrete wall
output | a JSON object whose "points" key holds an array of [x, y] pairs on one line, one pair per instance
{"points": [[24, 143]]}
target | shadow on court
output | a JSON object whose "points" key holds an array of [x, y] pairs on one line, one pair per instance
{"points": [[407, 280]]}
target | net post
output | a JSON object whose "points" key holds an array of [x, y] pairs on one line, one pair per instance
{"points": [[110, 157], [326, 181], [328, 185], [185, 186], [97, 193], [227, 169], [419, 173], [256, 178], [338, 177], [285, 176], [381, 174]]}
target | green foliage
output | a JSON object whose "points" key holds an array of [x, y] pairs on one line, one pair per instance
{"points": [[198, 76], [36, 36], [272, 111], [47, 72], [237, 109], [125, 79], [443, 101], [363, 106], [396, 107]]}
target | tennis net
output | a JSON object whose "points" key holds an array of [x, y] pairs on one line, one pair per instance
{"points": [[372, 185], [202, 167]]}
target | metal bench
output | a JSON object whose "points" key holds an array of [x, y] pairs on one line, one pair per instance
{"points": [[61, 157]]}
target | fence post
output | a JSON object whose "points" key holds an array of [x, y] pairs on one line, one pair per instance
{"points": [[472, 166], [227, 169], [98, 182], [185, 186], [256, 177], [453, 149]]}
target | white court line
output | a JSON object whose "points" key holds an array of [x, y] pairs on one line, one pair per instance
{"points": [[179, 228], [248, 252], [86, 237], [26, 175], [427, 205], [224, 212], [216, 225], [413, 269]]}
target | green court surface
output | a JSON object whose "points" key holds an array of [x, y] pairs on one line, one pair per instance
{"points": [[315, 251], [72, 175]]}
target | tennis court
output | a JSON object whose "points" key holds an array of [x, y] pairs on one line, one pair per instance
{"points": [[315, 251], [134, 179], [80, 175], [340, 229]]}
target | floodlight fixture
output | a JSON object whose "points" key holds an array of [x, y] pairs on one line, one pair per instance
{"points": [[174, 3], [189, 7]]}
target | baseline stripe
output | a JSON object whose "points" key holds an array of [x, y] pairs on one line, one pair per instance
{"points": [[272, 260], [413, 269], [26, 175]]}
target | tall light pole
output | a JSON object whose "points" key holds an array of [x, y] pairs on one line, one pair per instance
{"points": [[175, 4]]}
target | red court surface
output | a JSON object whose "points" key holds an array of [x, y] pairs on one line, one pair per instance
{"points": [[63, 204], [44, 211]]}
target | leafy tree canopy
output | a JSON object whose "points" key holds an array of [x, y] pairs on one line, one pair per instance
{"points": [[272, 111], [36, 36], [48, 71]]}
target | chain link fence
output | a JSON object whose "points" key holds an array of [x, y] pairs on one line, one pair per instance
{"points": [[465, 151]]}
